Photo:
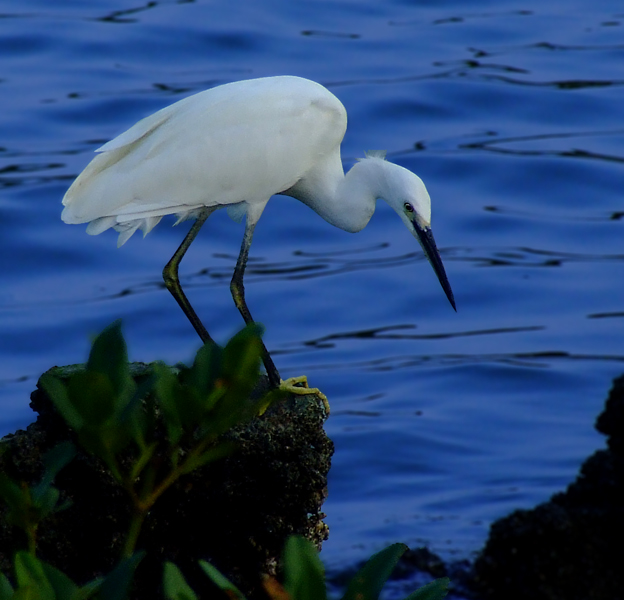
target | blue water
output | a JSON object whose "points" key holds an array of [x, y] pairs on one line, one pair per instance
{"points": [[513, 115]]}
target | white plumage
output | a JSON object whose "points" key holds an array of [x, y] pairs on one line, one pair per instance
{"points": [[235, 146]]}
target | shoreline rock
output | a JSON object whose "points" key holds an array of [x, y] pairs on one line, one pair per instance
{"points": [[569, 548]]}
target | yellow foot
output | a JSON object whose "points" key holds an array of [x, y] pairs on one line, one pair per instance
{"points": [[299, 386]]}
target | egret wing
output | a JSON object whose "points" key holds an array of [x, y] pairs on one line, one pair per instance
{"points": [[241, 142]]}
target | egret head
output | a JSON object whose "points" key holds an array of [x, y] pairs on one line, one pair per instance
{"points": [[408, 196]]}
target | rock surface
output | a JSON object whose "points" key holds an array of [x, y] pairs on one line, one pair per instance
{"points": [[569, 548], [235, 513]]}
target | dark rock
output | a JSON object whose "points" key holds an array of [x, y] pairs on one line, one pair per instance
{"points": [[569, 548], [421, 559], [236, 513]]}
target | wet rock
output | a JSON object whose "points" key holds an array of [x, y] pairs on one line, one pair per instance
{"points": [[421, 559], [569, 548], [235, 513]]}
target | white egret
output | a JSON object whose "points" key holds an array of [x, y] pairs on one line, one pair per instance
{"points": [[235, 146]]}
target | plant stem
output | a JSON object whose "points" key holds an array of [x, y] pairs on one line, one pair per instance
{"points": [[133, 532], [31, 533], [142, 505]]}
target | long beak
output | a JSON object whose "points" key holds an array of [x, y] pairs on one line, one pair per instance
{"points": [[425, 237]]}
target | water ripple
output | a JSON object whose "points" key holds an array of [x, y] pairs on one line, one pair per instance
{"points": [[390, 333], [539, 360]]}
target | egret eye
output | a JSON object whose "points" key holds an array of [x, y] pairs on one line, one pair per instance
{"points": [[408, 207]]}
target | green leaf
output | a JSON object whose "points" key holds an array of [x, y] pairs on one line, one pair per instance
{"points": [[92, 394], [57, 392], [109, 356], [304, 574], [89, 589], [221, 581], [138, 415], [12, 494], [116, 584], [30, 574], [208, 456], [370, 579], [6, 589], [105, 441], [143, 460], [436, 590], [242, 355], [64, 588], [46, 502], [44, 496], [168, 390], [26, 593], [174, 584], [205, 370], [130, 422], [54, 460]]}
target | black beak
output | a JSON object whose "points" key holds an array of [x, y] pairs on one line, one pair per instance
{"points": [[425, 237]]}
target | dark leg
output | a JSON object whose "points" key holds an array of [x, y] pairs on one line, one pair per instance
{"points": [[238, 293], [170, 275]]}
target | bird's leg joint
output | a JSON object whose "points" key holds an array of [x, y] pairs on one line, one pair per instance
{"points": [[170, 276], [238, 292]]}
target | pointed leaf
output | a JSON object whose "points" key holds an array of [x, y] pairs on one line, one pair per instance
{"points": [[271, 397], [174, 584], [210, 455], [304, 574], [18, 500], [139, 412], [117, 583], [44, 496], [243, 354], [436, 590], [6, 590], [370, 579], [132, 418], [109, 356], [89, 589], [57, 392], [29, 573], [92, 394], [64, 588], [105, 441], [55, 459], [206, 368], [98, 442], [168, 390], [221, 581], [46, 502], [12, 494]]}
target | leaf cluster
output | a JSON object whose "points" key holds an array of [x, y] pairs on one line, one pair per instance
{"points": [[37, 580], [150, 434], [29, 505], [304, 577]]}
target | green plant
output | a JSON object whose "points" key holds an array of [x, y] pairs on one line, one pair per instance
{"points": [[151, 434], [37, 580], [29, 505], [304, 577]]}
